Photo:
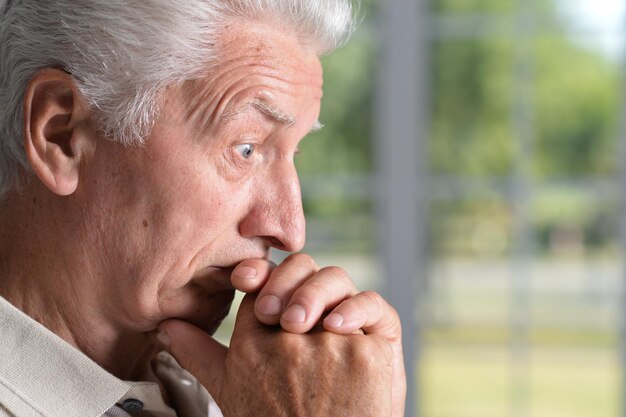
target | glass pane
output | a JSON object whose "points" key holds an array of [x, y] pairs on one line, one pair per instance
{"points": [[577, 93], [526, 262], [471, 117], [473, 6]]}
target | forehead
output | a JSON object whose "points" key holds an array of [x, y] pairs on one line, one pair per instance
{"points": [[255, 61]]}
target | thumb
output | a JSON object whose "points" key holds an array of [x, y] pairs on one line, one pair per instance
{"points": [[197, 352], [246, 324]]}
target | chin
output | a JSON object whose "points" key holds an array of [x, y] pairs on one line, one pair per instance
{"points": [[210, 317]]}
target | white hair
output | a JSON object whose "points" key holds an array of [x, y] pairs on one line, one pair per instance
{"points": [[123, 54]]}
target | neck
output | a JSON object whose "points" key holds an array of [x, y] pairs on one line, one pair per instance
{"points": [[52, 281]]}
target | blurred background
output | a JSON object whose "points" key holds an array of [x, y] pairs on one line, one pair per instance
{"points": [[472, 170]]}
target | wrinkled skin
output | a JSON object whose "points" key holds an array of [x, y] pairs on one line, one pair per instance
{"points": [[273, 373], [327, 368], [109, 243]]}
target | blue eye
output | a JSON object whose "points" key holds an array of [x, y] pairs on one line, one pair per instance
{"points": [[245, 149]]}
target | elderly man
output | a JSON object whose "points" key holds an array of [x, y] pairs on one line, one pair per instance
{"points": [[146, 168]]}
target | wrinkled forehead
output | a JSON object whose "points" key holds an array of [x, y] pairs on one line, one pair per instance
{"points": [[270, 48], [264, 35], [254, 61]]}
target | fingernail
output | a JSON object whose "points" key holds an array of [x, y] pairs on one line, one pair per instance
{"points": [[246, 272], [334, 320], [270, 305], [163, 337], [295, 314]]}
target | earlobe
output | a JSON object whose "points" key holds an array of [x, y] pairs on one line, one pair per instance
{"points": [[53, 115]]}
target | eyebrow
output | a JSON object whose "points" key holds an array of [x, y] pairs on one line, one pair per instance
{"points": [[273, 113]]}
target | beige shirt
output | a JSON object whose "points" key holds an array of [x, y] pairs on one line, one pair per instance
{"points": [[42, 375]]}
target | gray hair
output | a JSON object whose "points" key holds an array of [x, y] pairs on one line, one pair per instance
{"points": [[123, 54]]}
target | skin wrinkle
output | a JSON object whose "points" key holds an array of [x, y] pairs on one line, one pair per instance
{"points": [[267, 109], [208, 203], [212, 78], [208, 108], [207, 95], [272, 112], [204, 213], [258, 60]]}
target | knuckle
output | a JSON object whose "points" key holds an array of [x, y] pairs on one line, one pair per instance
{"points": [[302, 259], [395, 317], [338, 273], [336, 347], [312, 288], [367, 353], [290, 348], [306, 297], [372, 352], [374, 298]]}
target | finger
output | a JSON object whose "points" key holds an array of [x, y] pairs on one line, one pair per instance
{"points": [[246, 321], [196, 351], [250, 275], [282, 283], [368, 311], [324, 290]]}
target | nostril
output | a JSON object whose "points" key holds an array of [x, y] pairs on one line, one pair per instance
{"points": [[274, 242]]}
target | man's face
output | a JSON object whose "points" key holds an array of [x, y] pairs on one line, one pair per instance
{"points": [[214, 184]]}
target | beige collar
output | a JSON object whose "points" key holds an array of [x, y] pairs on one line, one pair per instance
{"points": [[41, 374]]}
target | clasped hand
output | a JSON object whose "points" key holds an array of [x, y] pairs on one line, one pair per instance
{"points": [[337, 351]]}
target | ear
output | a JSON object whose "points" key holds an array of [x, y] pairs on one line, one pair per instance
{"points": [[57, 135]]}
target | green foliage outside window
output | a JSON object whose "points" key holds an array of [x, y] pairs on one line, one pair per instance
{"points": [[573, 98]]}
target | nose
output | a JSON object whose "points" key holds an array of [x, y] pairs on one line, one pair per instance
{"points": [[276, 213]]}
